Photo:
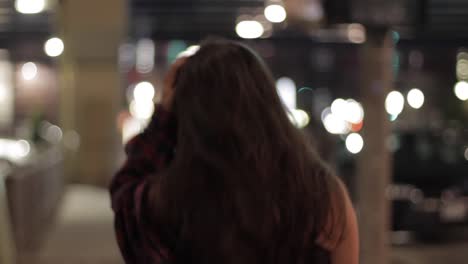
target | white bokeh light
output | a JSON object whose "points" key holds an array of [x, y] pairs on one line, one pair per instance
{"points": [[461, 90], [354, 112], [21, 148], [54, 134], [29, 71], [300, 118], [338, 108], [348, 110], [30, 6], [190, 51], [354, 143], [415, 98], [249, 29], [143, 91], [395, 103], [54, 47], [142, 109], [131, 128], [287, 92], [334, 124], [275, 13]]}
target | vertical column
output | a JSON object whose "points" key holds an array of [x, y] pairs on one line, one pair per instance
{"points": [[374, 165], [6, 93], [90, 84], [7, 244]]}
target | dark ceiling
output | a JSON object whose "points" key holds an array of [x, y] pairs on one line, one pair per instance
{"points": [[195, 19], [166, 19], [189, 18]]}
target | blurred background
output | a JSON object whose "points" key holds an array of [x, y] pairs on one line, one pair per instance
{"points": [[380, 87]]}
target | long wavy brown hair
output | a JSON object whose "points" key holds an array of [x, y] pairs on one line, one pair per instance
{"points": [[245, 186]]}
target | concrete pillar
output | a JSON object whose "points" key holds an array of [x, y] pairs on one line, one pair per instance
{"points": [[91, 92], [374, 164]]}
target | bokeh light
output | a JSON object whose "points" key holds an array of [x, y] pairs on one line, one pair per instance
{"points": [[30, 6], [415, 98], [145, 54], [29, 71], [354, 112], [462, 69], [14, 150], [339, 107], [287, 92], [142, 109], [348, 110], [143, 91], [275, 13], [54, 47], [357, 33], [333, 123], [466, 153], [395, 103], [21, 149], [131, 128], [72, 140], [300, 118], [190, 51], [54, 134], [354, 143], [461, 90], [249, 29]]}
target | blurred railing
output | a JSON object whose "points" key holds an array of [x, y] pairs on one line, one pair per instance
{"points": [[34, 193]]}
